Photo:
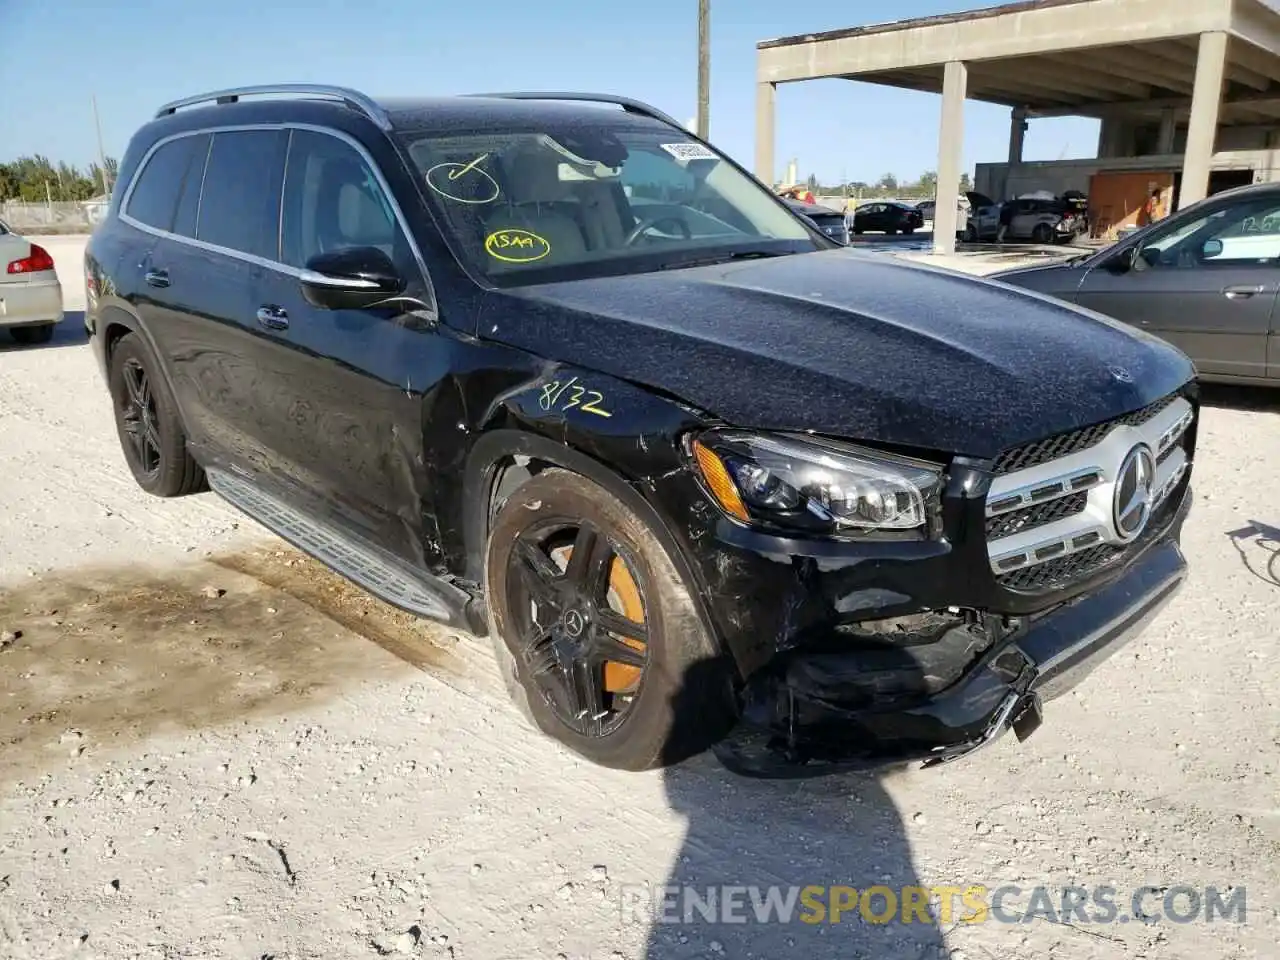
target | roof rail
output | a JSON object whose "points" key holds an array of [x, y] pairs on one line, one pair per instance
{"points": [[631, 106], [352, 98]]}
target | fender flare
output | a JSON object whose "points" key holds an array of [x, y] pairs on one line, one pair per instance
{"points": [[115, 315], [481, 472]]}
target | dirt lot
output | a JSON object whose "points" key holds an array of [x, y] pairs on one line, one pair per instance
{"points": [[210, 747]]}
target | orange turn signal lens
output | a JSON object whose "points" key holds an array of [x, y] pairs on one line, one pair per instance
{"points": [[718, 481]]}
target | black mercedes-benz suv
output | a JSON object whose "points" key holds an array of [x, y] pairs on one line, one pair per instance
{"points": [[549, 368]]}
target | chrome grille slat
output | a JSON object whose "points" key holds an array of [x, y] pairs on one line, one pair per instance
{"points": [[1059, 514]]}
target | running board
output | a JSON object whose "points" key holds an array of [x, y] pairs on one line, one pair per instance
{"points": [[382, 576]]}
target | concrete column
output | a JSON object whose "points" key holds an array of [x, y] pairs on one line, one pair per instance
{"points": [[1206, 101], [766, 95], [1017, 134], [955, 78], [1168, 131]]}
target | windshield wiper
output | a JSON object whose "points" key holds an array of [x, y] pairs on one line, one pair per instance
{"points": [[721, 258]]}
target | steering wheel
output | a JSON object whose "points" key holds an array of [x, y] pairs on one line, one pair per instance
{"points": [[638, 230]]}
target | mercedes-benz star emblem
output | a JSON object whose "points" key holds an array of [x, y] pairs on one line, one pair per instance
{"points": [[1133, 492], [574, 623], [1121, 374]]}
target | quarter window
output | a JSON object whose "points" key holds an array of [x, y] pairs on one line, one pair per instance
{"points": [[155, 192], [333, 201], [240, 203]]}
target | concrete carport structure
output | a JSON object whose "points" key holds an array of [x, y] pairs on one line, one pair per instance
{"points": [[1214, 61]]}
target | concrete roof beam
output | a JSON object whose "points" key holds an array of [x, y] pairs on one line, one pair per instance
{"points": [[1244, 54], [1044, 72], [1103, 71]]}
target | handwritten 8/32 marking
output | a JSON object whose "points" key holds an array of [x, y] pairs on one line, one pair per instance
{"points": [[573, 394]]}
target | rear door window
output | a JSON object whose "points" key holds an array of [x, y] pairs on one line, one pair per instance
{"points": [[154, 197], [240, 202]]}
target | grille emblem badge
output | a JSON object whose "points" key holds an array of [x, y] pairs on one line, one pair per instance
{"points": [[1133, 496]]}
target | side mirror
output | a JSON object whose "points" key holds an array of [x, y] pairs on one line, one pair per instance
{"points": [[353, 279], [1212, 248], [1123, 261]]}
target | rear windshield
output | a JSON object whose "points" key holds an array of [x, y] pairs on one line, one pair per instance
{"points": [[597, 197]]}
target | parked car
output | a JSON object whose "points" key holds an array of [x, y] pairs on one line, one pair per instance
{"points": [[831, 222], [704, 476], [886, 217], [1040, 219], [1205, 279], [30, 293]]}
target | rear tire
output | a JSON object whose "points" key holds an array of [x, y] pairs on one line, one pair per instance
{"points": [[546, 624], [970, 233], [36, 333], [147, 422]]}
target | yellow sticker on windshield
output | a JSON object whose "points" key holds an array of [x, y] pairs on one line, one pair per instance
{"points": [[516, 246]]}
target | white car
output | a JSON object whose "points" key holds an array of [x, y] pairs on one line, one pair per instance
{"points": [[30, 294]]}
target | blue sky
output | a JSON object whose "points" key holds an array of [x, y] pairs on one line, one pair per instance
{"points": [[136, 54]]}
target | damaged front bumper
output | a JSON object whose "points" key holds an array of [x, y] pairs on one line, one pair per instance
{"points": [[789, 731]]}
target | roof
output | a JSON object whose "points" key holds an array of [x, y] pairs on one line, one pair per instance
{"points": [[1057, 57], [427, 112], [913, 22]]}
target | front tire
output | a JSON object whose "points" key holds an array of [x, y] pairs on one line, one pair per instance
{"points": [[33, 334], [597, 637], [1042, 234], [147, 422]]}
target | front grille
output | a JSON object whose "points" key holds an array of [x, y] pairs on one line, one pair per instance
{"points": [[1062, 570], [1065, 444], [1038, 515], [1067, 485]]}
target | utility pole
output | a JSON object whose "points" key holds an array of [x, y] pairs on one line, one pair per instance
{"points": [[704, 68], [102, 157]]}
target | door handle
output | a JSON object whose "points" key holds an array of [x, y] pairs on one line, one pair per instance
{"points": [[1242, 292], [273, 317], [156, 278]]}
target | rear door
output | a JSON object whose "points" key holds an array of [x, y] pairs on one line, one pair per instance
{"points": [[1208, 283]]}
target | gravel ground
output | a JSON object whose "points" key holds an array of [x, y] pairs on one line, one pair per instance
{"points": [[211, 747]]}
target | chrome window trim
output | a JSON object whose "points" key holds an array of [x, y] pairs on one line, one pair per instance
{"points": [[324, 280], [275, 265]]}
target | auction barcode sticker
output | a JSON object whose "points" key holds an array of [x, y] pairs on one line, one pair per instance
{"points": [[689, 151]]}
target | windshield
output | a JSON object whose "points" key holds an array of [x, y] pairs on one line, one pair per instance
{"points": [[617, 195]]}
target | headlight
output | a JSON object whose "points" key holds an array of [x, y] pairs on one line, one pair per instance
{"points": [[814, 485]]}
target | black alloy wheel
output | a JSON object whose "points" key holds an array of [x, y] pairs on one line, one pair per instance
{"points": [[151, 432], [138, 418], [578, 611]]}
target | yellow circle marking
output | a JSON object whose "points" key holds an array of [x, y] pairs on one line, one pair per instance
{"points": [[516, 246], [442, 175]]}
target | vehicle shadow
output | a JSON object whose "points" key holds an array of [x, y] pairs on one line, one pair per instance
{"points": [[835, 835], [69, 333], [1263, 561]]}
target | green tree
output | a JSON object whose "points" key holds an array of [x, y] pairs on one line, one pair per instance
{"points": [[887, 182], [965, 182]]}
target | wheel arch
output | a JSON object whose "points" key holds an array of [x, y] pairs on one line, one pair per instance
{"points": [[494, 466], [116, 323]]}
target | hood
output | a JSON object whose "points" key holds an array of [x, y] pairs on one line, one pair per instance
{"points": [[849, 344], [1059, 278]]}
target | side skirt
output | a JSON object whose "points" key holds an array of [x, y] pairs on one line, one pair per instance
{"points": [[360, 562]]}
